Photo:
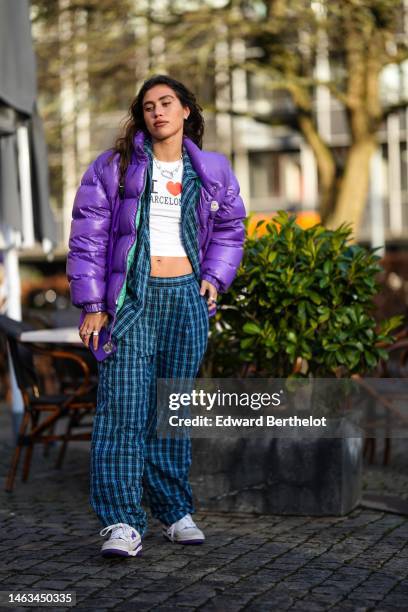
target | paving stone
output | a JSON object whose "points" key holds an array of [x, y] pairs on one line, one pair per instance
{"points": [[310, 606], [349, 607], [57, 585], [196, 595], [93, 582], [27, 579], [394, 603], [89, 605], [167, 608], [220, 579], [152, 597], [278, 600], [224, 603]]}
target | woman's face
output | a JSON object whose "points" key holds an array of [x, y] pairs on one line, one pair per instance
{"points": [[163, 112]]}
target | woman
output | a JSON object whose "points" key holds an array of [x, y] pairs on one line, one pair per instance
{"points": [[157, 232]]}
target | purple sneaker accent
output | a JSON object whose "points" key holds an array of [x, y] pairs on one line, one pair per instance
{"points": [[187, 541], [117, 552]]}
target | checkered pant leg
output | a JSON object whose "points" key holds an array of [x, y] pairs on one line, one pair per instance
{"points": [[168, 340]]}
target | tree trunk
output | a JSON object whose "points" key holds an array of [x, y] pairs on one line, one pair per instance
{"points": [[325, 164], [352, 195]]}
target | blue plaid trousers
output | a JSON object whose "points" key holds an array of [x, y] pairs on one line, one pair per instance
{"points": [[167, 340]]}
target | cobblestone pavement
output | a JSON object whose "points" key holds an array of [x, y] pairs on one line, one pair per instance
{"points": [[50, 541]]}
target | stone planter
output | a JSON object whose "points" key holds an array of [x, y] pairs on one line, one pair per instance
{"points": [[311, 476]]}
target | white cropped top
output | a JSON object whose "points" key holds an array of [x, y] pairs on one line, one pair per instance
{"points": [[165, 210]]}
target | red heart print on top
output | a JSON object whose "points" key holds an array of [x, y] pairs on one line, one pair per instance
{"points": [[173, 188]]}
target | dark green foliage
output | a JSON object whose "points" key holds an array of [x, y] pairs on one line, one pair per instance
{"points": [[300, 294]]}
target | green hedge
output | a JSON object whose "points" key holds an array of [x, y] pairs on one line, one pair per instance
{"points": [[299, 294]]}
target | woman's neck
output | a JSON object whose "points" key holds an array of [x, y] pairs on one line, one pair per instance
{"points": [[167, 150]]}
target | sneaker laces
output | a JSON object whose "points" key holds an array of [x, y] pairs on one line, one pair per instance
{"points": [[184, 523], [119, 531]]}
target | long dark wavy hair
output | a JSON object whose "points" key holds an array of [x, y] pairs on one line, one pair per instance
{"points": [[193, 125]]}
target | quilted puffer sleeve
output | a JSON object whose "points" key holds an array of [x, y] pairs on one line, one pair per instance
{"points": [[225, 250], [88, 243]]}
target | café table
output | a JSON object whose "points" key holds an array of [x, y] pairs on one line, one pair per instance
{"points": [[64, 339], [67, 340], [59, 335]]}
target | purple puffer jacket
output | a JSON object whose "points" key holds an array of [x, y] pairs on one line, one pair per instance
{"points": [[103, 227]]}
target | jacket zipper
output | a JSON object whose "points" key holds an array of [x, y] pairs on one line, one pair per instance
{"points": [[109, 344]]}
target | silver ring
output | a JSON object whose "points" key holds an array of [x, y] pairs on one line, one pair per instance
{"points": [[95, 333]]}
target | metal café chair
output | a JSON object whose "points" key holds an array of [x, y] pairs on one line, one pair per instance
{"points": [[73, 399]]}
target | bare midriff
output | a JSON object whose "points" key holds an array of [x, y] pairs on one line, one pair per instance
{"points": [[164, 265]]}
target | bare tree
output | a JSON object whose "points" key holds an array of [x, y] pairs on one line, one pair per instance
{"points": [[286, 40]]}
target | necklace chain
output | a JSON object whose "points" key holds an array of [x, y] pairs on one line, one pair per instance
{"points": [[164, 171]]}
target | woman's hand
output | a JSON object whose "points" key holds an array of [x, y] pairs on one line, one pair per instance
{"points": [[212, 293], [93, 322]]}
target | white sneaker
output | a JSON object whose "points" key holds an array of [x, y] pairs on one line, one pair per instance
{"points": [[124, 541], [184, 531]]}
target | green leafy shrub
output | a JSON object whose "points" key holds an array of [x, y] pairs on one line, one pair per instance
{"points": [[300, 296]]}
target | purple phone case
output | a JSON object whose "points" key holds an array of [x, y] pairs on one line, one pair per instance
{"points": [[105, 348]]}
